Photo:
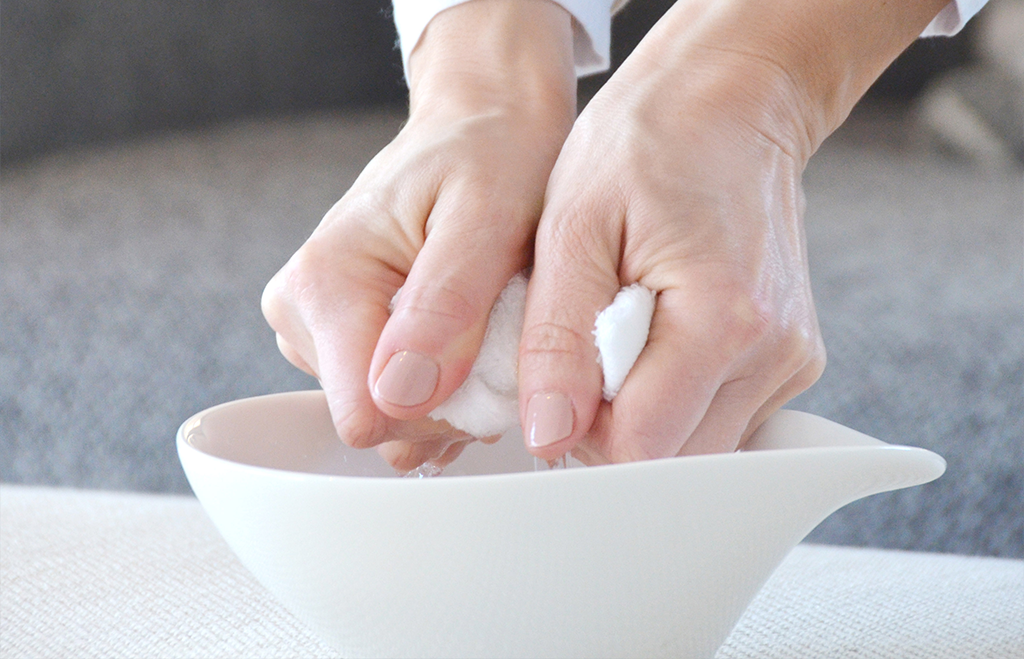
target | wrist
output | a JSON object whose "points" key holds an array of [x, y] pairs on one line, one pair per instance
{"points": [[488, 55], [793, 68]]}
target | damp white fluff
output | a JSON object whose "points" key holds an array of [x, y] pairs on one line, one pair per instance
{"points": [[487, 402], [620, 333]]}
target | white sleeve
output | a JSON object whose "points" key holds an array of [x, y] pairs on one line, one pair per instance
{"points": [[591, 28], [592, 20], [953, 17]]}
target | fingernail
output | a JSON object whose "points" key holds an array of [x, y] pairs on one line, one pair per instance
{"points": [[549, 418], [408, 379]]}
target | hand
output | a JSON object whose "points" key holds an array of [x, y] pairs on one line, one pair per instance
{"points": [[684, 174], [447, 211]]}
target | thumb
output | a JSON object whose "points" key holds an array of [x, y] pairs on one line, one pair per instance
{"points": [[575, 276], [429, 344]]}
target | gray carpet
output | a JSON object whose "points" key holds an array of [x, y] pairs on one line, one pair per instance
{"points": [[917, 265], [130, 280]]}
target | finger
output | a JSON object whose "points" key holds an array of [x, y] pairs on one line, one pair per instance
{"points": [[741, 406], [345, 330], [428, 345], [406, 455], [283, 316], [490, 439], [293, 356], [784, 364], [799, 383], [329, 306], [574, 277], [668, 390], [707, 378], [411, 443], [423, 429], [726, 420]]}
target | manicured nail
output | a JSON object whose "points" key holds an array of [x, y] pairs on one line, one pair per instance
{"points": [[549, 418], [408, 379]]}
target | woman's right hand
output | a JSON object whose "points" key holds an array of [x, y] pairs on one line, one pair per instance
{"points": [[684, 174]]}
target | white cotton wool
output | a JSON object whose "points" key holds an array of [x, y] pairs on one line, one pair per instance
{"points": [[620, 333], [487, 402]]}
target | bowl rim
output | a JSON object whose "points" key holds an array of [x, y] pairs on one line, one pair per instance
{"points": [[187, 449]]}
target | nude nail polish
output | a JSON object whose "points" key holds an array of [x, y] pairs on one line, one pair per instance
{"points": [[408, 379], [549, 418]]}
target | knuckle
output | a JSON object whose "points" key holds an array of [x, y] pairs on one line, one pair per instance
{"points": [[813, 366], [547, 340], [305, 269], [294, 283], [803, 344], [355, 426], [441, 302], [317, 275], [400, 454], [744, 320], [647, 432], [800, 356], [278, 305], [750, 314], [585, 230], [764, 332], [272, 304]]}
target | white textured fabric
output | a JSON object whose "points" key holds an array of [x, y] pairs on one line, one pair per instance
{"points": [[109, 575], [591, 29], [101, 574], [847, 603]]}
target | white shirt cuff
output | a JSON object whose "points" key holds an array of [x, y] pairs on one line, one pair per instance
{"points": [[592, 20], [591, 29], [952, 18]]}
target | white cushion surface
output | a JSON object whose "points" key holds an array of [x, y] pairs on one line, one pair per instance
{"points": [[103, 574]]}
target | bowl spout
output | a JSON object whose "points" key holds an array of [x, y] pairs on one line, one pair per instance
{"points": [[859, 466]]}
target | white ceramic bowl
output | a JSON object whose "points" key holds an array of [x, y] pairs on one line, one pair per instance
{"points": [[646, 559]]}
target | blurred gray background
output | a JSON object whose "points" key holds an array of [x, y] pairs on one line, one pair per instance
{"points": [[159, 162]]}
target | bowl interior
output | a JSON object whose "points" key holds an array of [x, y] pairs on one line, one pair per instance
{"points": [[294, 432]]}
